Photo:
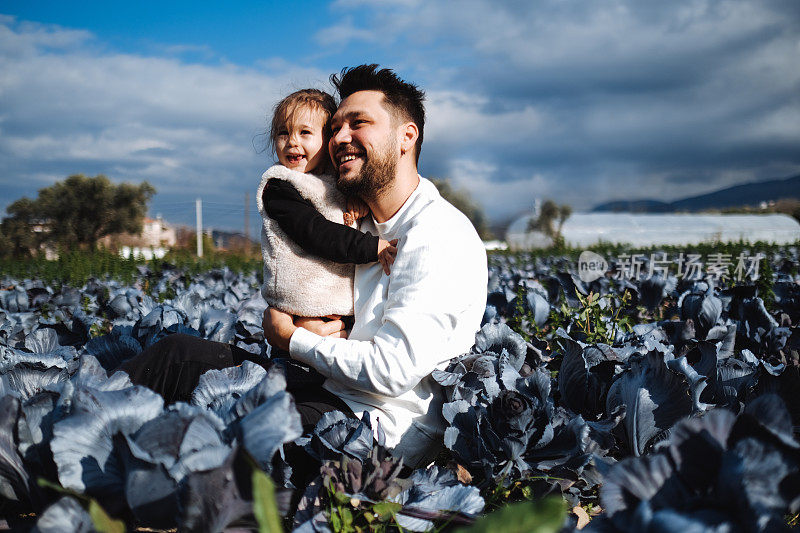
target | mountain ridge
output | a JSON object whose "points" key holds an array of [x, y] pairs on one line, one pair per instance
{"points": [[742, 195]]}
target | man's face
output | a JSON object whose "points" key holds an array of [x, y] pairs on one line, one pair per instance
{"points": [[364, 146]]}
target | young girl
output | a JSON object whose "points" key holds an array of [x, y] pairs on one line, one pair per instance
{"points": [[309, 254]]}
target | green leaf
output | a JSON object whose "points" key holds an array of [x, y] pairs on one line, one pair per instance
{"points": [[385, 510], [347, 517], [102, 522], [542, 516], [341, 498], [264, 506], [47, 484], [100, 519], [336, 522]]}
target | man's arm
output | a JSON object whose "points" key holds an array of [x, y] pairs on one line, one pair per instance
{"points": [[313, 232], [435, 298]]}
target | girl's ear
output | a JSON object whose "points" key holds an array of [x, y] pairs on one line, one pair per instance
{"points": [[408, 137]]}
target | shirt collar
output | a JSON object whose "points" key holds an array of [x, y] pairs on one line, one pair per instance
{"points": [[410, 207]]}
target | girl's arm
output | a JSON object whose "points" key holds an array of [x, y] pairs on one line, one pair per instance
{"points": [[306, 226]]}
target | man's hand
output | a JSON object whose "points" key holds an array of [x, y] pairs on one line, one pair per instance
{"points": [[334, 327], [278, 328]]}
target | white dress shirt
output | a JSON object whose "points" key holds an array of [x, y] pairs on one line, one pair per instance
{"points": [[407, 324]]}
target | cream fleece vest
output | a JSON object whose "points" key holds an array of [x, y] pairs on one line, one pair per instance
{"points": [[295, 281]]}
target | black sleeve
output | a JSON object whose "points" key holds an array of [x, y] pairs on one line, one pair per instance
{"points": [[313, 232]]}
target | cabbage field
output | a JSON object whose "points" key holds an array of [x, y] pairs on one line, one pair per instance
{"points": [[631, 402]]}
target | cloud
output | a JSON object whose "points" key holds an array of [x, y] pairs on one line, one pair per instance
{"points": [[67, 106], [578, 102], [601, 100], [343, 33], [508, 196], [25, 39]]}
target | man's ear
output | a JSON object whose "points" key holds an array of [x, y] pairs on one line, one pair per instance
{"points": [[408, 136]]}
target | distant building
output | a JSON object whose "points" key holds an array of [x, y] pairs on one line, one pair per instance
{"points": [[643, 230], [49, 249], [495, 245], [156, 232], [156, 237]]}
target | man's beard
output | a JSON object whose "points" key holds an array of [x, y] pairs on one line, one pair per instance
{"points": [[375, 175]]}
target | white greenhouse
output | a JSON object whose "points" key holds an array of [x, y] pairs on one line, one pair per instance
{"points": [[642, 230]]}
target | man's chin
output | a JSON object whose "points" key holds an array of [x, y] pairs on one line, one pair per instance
{"points": [[351, 169], [343, 176], [348, 186]]}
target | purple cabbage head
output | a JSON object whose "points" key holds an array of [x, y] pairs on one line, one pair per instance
{"points": [[656, 395], [491, 431], [719, 472], [702, 306], [585, 376]]}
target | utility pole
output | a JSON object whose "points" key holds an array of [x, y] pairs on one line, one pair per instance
{"points": [[198, 205], [247, 219]]}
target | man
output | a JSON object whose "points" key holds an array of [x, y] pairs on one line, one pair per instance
{"points": [[428, 309], [406, 324]]}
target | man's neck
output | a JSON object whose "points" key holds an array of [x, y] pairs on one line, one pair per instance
{"points": [[395, 195]]}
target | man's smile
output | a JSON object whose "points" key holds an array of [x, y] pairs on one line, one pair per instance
{"points": [[347, 155]]}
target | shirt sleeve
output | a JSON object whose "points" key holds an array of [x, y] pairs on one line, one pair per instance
{"points": [[426, 303], [313, 232]]}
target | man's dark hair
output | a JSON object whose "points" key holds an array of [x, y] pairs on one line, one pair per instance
{"points": [[405, 99]]}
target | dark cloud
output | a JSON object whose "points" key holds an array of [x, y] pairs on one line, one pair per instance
{"points": [[646, 98], [579, 102]]}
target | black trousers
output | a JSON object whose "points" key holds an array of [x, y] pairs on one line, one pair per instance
{"points": [[172, 367]]}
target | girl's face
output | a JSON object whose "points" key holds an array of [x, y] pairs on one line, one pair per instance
{"points": [[300, 143]]}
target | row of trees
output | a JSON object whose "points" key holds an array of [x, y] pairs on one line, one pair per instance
{"points": [[76, 213], [73, 214], [462, 201], [550, 217]]}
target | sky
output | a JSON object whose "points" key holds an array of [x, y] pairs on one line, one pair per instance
{"points": [[579, 102]]}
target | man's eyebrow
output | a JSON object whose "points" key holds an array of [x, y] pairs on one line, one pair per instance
{"points": [[351, 115]]}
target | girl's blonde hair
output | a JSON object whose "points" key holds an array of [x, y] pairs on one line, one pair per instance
{"points": [[286, 108]]}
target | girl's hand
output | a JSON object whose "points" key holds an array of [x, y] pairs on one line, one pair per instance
{"points": [[387, 251], [356, 210]]}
